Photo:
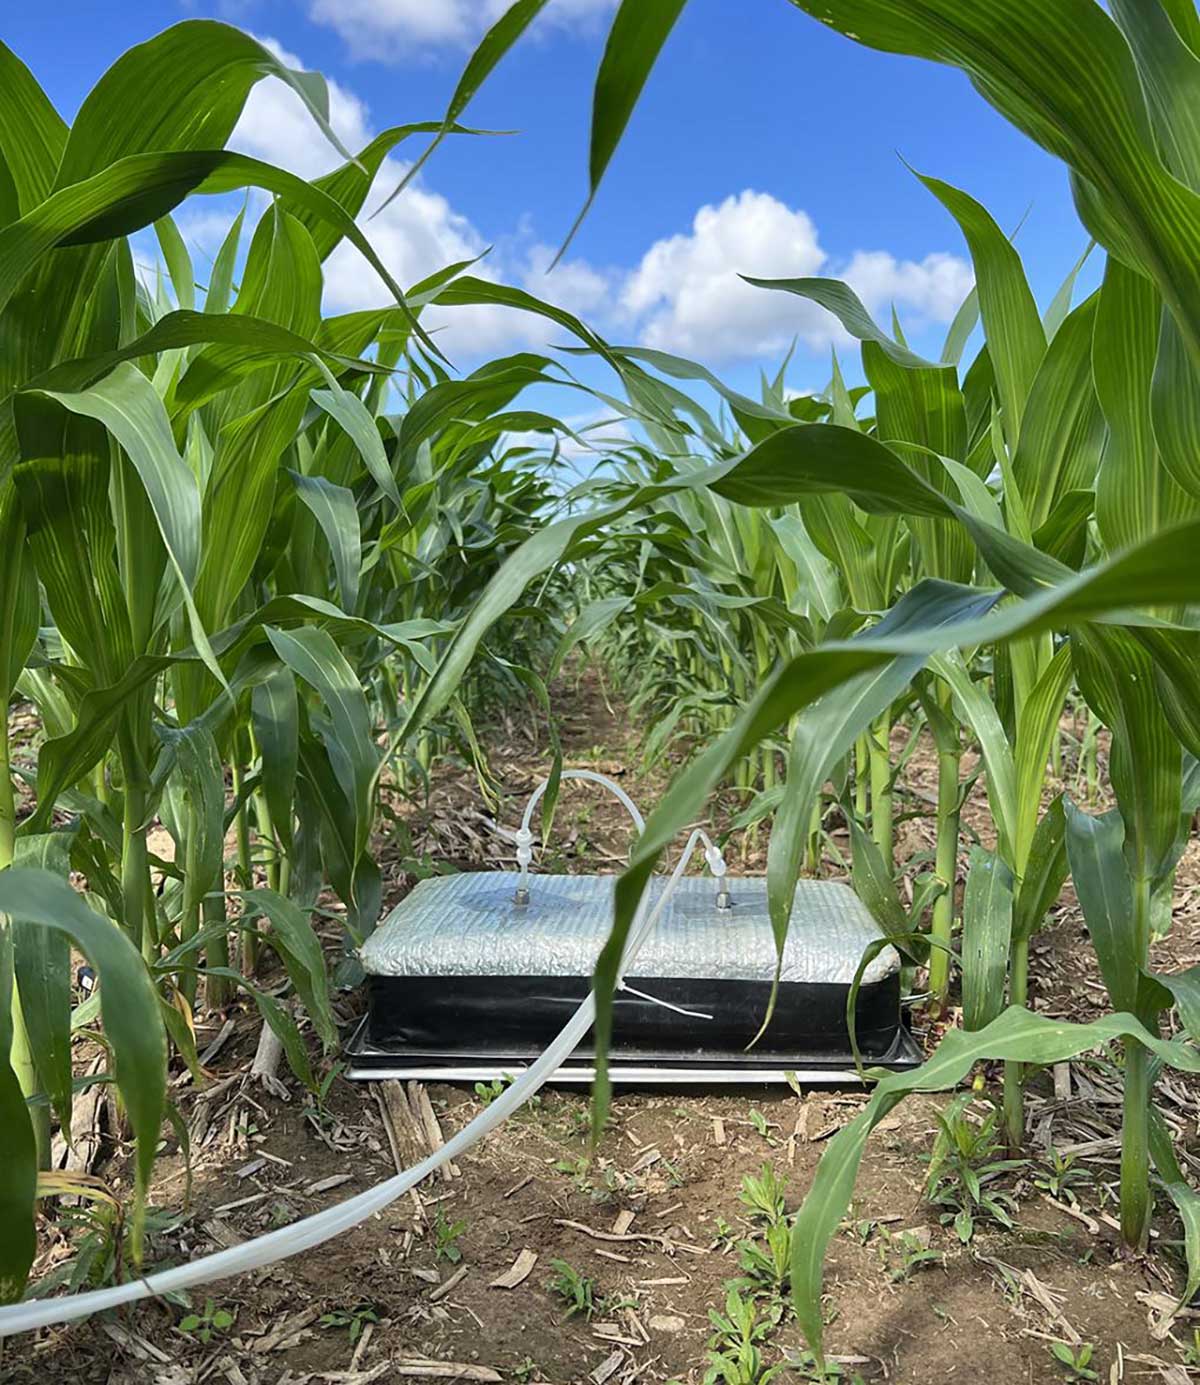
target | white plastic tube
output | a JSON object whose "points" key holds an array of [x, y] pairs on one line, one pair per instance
{"points": [[525, 832], [323, 1226]]}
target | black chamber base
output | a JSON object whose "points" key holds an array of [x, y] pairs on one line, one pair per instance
{"points": [[462, 1017]]}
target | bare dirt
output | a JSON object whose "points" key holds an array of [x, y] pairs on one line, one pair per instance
{"points": [[650, 1216]]}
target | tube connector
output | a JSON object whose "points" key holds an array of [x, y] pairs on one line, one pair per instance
{"points": [[716, 865], [524, 857]]}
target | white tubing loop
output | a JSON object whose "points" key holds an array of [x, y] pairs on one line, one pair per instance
{"points": [[525, 833], [323, 1226]]}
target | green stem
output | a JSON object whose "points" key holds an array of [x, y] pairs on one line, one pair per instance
{"points": [[881, 786], [1135, 1148], [218, 990], [1136, 1200], [1014, 1074], [135, 861], [945, 870], [861, 777], [245, 862], [189, 924], [20, 1054]]}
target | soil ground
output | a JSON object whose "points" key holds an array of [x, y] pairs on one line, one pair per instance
{"points": [[651, 1217]]}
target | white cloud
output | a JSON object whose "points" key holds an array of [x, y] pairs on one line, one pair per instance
{"points": [[933, 288], [688, 296], [275, 125], [685, 295], [395, 30]]}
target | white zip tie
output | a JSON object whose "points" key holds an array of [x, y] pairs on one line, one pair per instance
{"points": [[666, 1004]]}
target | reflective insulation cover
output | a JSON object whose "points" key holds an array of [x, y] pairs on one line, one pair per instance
{"points": [[459, 968]]}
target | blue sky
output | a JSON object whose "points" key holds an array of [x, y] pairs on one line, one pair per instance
{"points": [[764, 143]]}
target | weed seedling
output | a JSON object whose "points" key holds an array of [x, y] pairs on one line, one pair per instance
{"points": [[487, 1092], [962, 1169], [1074, 1360], [577, 1291], [203, 1326], [352, 1319], [763, 1195], [763, 1126], [725, 1237], [445, 1238], [1060, 1178], [734, 1353], [766, 1264], [907, 1253], [807, 1367]]}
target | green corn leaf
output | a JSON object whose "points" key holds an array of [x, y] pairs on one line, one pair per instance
{"points": [[224, 265], [299, 948], [18, 1245], [1015, 336], [986, 937], [634, 42], [591, 621], [1065, 76], [874, 885], [18, 593], [126, 404], [138, 190], [491, 49], [1170, 73], [979, 713], [279, 1020], [1185, 1198], [312, 655], [841, 300], [178, 261], [1062, 428], [335, 511], [183, 89], [350, 184], [32, 133], [350, 413], [131, 1022], [275, 717], [1060, 305], [826, 731], [1101, 877], [251, 343], [191, 759], [1175, 407], [42, 966], [1037, 725], [1016, 1036], [1045, 871], [1064, 535], [1116, 676], [1135, 493]]}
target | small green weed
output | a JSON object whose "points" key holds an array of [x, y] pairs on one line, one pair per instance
{"points": [[445, 1238], [577, 1291], [203, 1326], [763, 1195], [1074, 1360], [352, 1319], [766, 1262], [763, 1126], [963, 1168]]}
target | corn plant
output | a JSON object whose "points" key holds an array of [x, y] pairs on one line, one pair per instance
{"points": [[240, 545], [1108, 92]]}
